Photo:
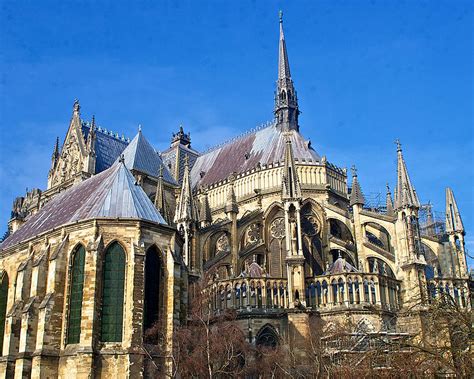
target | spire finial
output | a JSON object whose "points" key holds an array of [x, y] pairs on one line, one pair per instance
{"points": [[280, 15], [354, 171], [356, 196], [186, 160], [399, 145], [93, 123], [160, 171], [76, 107], [139, 128]]}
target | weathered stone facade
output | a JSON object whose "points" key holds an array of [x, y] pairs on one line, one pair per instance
{"points": [[276, 225]]}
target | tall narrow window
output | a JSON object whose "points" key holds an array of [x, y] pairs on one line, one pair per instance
{"points": [[75, 295], [3, 306], [113, 294], [152, 287]]}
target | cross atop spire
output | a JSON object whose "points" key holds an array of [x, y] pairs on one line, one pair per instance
{"points": [[354, 170], [399, 145], [286, 101], [388, 202], [356, 197], [76, 107], [283, 63]]}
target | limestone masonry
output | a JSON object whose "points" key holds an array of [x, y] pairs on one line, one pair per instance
{"points": [[111, 246]]}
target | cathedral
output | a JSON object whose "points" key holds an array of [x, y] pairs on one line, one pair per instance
{"points": [[121, 232]]}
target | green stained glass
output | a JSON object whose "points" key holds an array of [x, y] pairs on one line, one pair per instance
{"points": [[3, 307], [113, 294], [75, 296]]}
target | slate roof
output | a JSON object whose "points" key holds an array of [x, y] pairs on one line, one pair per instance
{"points": [[263, 146], [169, 158], [356, 197], [112, 193], [139, 155], [107, 148]]}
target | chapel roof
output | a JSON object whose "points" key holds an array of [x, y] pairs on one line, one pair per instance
{"points": [[110, 194], [107, 147], [262, 146], [139, 155]]}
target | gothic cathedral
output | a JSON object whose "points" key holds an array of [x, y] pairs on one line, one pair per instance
{"points": [[114, 242]]}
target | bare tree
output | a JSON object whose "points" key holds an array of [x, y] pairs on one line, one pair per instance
{"points": [[213, 345]]}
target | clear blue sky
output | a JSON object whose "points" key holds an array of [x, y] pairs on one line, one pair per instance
{"points": [[366, 73]]}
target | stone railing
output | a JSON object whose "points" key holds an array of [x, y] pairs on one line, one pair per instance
{"points": [[249, 293], [353, 290], [328, 292], [456, 289]]}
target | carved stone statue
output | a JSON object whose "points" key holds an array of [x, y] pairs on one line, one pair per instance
{"points": [[376, 266]]}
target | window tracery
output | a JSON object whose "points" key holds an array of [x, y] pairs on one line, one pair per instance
{"points": [[222, 244], [252, 234], [277, 228]]}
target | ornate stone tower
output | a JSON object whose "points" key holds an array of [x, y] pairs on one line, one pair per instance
{"points": [[185, 216], [455, 231], [291, 198], [410, 256], [286, 100]]}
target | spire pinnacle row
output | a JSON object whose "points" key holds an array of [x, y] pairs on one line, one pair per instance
{"points": [[453, 217], [388, 202], [357, 197], [185, 209], [405, 194], [291, 188]]}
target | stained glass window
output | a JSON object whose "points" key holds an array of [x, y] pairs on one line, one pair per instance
{"points": [[3, 307], [152, 288], [113, 294], [75, 295]]}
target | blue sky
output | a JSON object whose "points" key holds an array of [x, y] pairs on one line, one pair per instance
{"points": [[366, 73]]}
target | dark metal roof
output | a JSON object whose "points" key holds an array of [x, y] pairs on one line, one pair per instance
{"points": [[169, 158], [112, 193], [108, 148], [141, 156], [263, 146]]}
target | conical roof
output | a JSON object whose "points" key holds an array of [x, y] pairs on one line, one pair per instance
{"points": [[110, 194], [357, 197], [185, 208], [140, 156]]}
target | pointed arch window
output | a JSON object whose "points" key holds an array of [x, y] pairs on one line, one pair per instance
{"points": [[267, 337], [113, 294], [153, 279], [3, 306], [76, 295]]}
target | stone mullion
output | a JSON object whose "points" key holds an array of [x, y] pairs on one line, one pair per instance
{"points": [[90, 322]]}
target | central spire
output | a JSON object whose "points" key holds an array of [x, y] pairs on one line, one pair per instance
{"points": [[286, 101], [283, 64]]}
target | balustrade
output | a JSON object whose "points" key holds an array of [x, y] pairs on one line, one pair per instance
{"points": [[249, 293], [351, 290], [455, 289], [322, 292]]}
